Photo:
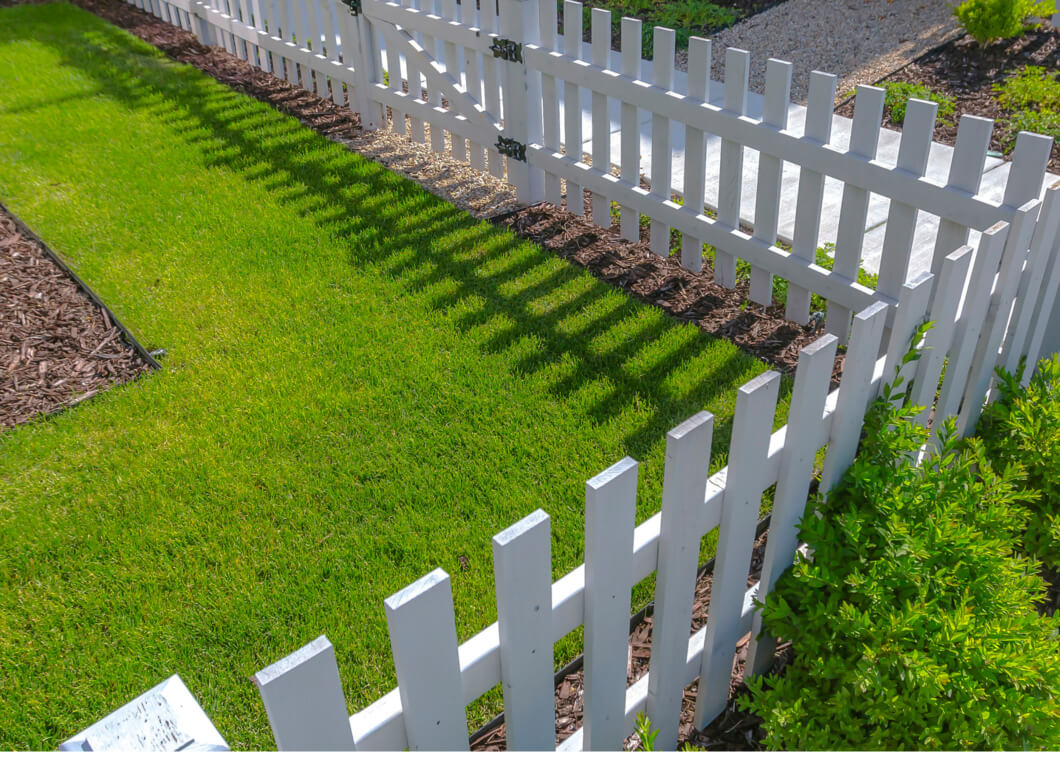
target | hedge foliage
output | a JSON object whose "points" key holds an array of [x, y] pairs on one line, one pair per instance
{"points": [[914, 623]]}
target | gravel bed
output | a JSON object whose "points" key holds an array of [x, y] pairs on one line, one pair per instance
{"points": [[860, 41]]}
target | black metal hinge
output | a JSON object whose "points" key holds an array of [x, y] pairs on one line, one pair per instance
{"points": [[509, 50], [354, 6], [511, 147]]}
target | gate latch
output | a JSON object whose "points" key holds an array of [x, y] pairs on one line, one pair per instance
{"points": [[509, 50], [354, 6], [511, 147]]}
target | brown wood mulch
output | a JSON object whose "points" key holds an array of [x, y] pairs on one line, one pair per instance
{"points": [[663, 282], [733, 730], [968, 73], [57, 347]]}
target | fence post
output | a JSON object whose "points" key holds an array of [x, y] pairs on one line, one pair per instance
{"points": [[366, 71], [520, 22], [304, 701]]}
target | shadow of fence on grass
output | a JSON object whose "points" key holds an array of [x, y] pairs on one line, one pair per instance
{"points": [[384, 218]]}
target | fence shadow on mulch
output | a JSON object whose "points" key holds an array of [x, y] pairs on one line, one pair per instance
{"points": [[341, 193]]}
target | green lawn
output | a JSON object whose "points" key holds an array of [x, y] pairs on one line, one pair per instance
{"points": [[361, 383]]}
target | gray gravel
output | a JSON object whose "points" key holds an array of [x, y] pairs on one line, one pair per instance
{"points": [[860, 41]]}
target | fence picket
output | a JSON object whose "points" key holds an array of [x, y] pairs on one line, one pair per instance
{"points": [[966, 336], [339, 85], [965, 175], [855, 393], [316, 30], [522, 570], [629, 218], [393, 57], [472, 80], [434, 95], [997, 316], [939, 339], [913, 305], [770, 174], [413, 75], [1045, 237], [304, 701], [917, 129], [1030, 158], [730, 174], [610, 508], [457, 144], [550, 104], [572, 113], [300, 28], [752, 425], [854, 207], [684, 484], [793, 483], [662, 75], [601, 121], [246, 50], [695, 151], [491, 78], [373, 73], [811, 191], [428, 669]]}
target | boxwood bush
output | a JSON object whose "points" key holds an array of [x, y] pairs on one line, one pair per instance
{"points": [[1023, 426], [914, 623]]}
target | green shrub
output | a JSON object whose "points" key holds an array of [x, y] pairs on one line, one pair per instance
{"points": [[1033, 87], [897, 98], [1041, 122], [1023, 426], [991, 20], [914, 623]]}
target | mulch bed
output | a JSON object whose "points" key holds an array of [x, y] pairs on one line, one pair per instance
{"points": [[967, 73], [663, 282], [57, 347], [733, 730]]}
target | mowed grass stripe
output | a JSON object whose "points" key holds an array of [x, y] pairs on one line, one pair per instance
{"points": [[361, 383]]}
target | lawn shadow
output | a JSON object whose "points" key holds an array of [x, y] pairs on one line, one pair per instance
{"points": [[385, 221]]}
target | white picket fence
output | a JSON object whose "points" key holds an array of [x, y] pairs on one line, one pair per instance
{"points": [[1011, 285], [488, 86], [482, 82]]}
